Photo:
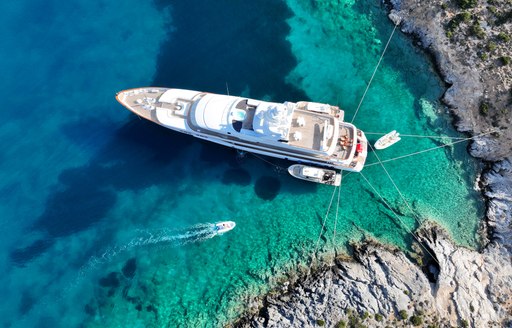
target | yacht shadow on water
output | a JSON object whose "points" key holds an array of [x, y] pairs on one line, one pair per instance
{"points": [[137, 156]]}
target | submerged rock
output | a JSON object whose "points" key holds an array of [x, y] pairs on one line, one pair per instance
{"points": [[267, 187], [466, 287], [111, 280], [383, 282], [129, 268], [21, 256]]}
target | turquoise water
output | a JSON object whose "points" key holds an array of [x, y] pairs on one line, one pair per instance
{"points": [[102, 212]]}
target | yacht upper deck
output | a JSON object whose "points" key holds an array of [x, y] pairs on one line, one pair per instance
{"points": [[302, 130], [312, 130]]}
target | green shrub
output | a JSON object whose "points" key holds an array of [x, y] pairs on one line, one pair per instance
{"points": [[471, 308], [493, 9], [466, 4], [402, 314], [341, 324], [504, 18], [365, 315], [505, 60], [444, 6], [320, 322], [484, 108], [477, 30], [453, 24], [416, 320], [355, 322], [483, 56], [378, 317], [464, 323], [491, 46], [465, 17], [503, 37]]}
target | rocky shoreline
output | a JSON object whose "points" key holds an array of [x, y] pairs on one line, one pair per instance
{"points": [[448, 285]]}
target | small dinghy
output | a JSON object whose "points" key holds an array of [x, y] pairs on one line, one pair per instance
{"points": [[224, 226], [388, 140], [315, 174]]}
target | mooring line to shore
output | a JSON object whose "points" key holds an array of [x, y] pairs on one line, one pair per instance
{"points": [[336, 222], [396, 187], [323, 223], [374, 72], [417, 136], [430, 149], [399, 219]]}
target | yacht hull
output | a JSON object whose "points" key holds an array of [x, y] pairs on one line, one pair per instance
{"points": [[152, 104]]}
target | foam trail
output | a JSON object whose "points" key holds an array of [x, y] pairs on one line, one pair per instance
{"points": [[161, 237], [145, 238]]}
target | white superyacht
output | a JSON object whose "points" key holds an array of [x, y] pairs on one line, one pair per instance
{"points": [[305, 132]]}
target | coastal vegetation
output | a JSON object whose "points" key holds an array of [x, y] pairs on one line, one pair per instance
{"points": [[465, 4], [416, 320], [477, 45], [481, 33], [341, 324], [503, 37], [484, 108], [320, 322]]}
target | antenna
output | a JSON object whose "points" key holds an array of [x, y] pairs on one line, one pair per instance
{"points": [[227, 88]]}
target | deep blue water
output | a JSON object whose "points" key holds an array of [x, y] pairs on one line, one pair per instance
{"points": [[84, 184]]}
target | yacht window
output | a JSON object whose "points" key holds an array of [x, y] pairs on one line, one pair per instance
{"points": [[237, 125]]}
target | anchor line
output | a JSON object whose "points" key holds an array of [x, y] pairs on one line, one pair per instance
{"points": [[418, 136], [323, 223], [399, 219], [430, 149], [374, 72]]}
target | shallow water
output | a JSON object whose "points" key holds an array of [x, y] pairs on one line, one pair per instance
{"points": [[84, 184]]}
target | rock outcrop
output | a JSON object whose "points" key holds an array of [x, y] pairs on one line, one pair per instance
{"points": [[384, 287], [480, 84], [455, 286]]}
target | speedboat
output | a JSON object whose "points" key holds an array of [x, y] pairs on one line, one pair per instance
{"points": [[224, 226], [388, 140], [315, 174], [305, 132]]}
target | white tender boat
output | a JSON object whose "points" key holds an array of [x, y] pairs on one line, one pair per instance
{"points": [[315, 174], [388, 140], [304, 131], [224, 226]]}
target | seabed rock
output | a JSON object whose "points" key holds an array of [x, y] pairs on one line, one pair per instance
{"points": [[471, 287], [459, 286]]}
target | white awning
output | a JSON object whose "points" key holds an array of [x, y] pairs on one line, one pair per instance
{"points": [[211, 112]]}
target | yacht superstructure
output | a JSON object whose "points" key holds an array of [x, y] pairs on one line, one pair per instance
{"points": [[305, 132]]}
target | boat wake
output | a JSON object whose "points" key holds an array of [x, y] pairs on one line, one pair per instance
{"points": [[144, 238], [158, 237]]}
